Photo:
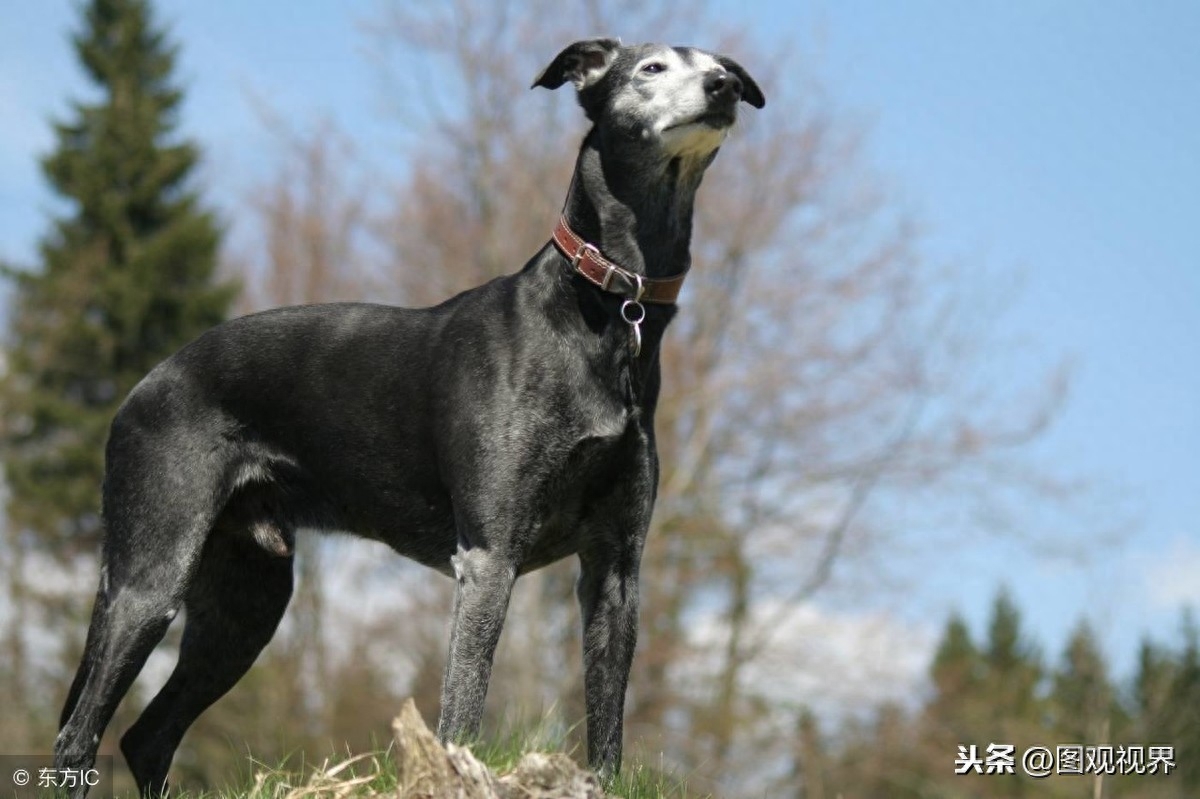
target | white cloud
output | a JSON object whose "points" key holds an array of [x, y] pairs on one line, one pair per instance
{"points": [[836, 663], [1173, 577]]}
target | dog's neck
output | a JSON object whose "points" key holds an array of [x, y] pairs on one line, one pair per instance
{"points": [[638, 212]]}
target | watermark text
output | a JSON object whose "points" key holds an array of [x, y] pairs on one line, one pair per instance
{"points": [[1042, 761]]}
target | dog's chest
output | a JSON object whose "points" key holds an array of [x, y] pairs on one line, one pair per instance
{"points": [[606, 477]]}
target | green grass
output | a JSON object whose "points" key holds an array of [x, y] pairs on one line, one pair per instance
{"points": [[639, 781], [374, 773]]}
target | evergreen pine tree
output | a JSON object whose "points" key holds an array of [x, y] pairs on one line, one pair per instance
{"points": [[1165, 711], [1012, 674], [1082, 695], [1151, 689], [957, 711], [1183, 711], [1012, 665], [956, 666], [126, 276]]}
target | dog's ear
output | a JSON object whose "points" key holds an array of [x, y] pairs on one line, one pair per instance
{"points": [[750, 91], [583, 63]]}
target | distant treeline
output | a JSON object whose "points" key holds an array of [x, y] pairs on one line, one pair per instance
{"points": [[1004, 715]]}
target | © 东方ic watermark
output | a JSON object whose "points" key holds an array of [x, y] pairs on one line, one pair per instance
{"points": [[1042, 761], [36, 776]]}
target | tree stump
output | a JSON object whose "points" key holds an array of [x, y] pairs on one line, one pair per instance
{"points": [[428, 770]]}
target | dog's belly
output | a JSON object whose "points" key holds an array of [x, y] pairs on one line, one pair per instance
{"points": [[419, 522], [557, 541], [428, 537]]}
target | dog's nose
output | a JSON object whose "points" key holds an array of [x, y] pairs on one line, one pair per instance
{"points": [[722, 85]]}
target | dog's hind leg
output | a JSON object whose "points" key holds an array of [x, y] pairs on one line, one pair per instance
{"points": [[158, 508], [95, 630], [133, 609], [233, 607]]}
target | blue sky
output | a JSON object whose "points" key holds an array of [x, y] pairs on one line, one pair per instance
{"points": [[1057, 141], [1053, 144]]}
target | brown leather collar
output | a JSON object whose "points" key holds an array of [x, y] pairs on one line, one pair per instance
{"points": [[587, 261]]}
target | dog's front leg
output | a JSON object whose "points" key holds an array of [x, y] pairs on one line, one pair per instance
{"points": [[608, 600], [484, 585]]}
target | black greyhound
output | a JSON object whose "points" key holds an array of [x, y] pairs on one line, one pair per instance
{"points": [[490, 435]]}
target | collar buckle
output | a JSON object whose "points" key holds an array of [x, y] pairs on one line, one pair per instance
{"points": [[587, 260]]}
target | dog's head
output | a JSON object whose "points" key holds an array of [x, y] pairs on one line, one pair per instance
{"points": [[679, 100]]}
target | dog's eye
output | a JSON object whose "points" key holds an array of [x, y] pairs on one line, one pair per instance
{"points": [[654, 67]]}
